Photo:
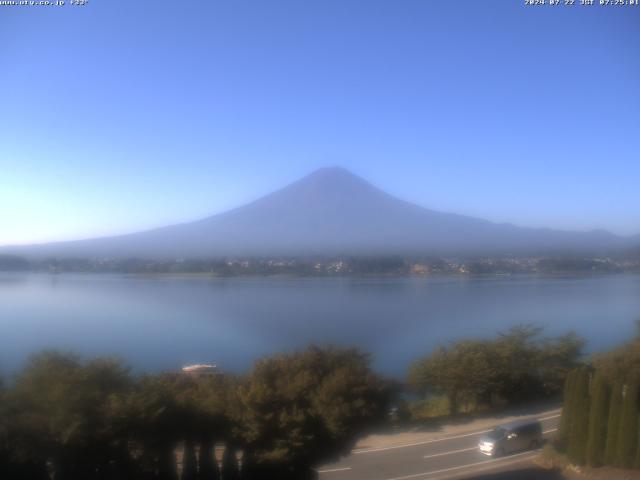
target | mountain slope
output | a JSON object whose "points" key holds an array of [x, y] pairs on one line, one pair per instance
{"points": [[332, 211]]}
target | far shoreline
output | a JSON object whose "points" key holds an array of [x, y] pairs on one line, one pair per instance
{"points": [[276, 276]]}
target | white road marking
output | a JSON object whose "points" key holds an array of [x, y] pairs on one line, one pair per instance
{"points": [[357, 452], [426, 442], [450, 453], [549, 417], [330, 470], [450, 469], [487, 467]]}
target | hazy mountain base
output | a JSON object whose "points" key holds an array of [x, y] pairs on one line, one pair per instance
{"points": [[333, 212]]}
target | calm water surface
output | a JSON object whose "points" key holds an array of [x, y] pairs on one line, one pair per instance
{"points": [[157, 323]]}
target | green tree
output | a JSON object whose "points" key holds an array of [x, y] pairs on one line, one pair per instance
{"points": [[613, 424], [301, 409], [59, 410], [598, 416], [518, 363], [622, 363], [579, 418], [517, 366], [16, 460], [217, 409], [5, 455], [628, 431], [557, 357], [462, 372], [529, 366], [564, 429], [155, 423]]}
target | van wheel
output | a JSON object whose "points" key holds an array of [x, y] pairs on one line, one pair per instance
{"points": [[499, 452], [534, 444]]}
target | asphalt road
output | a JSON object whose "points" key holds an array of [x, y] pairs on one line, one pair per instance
{"points": [[451, 457]]}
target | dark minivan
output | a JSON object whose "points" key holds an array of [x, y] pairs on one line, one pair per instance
{"points": [[512, 437]]}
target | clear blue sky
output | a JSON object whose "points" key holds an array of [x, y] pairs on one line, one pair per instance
{"points": [[123, 115]]}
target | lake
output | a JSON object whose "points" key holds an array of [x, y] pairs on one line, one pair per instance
{"points": [[163, 322]]}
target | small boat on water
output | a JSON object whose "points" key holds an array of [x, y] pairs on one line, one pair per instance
{"points": [[200, 369]]}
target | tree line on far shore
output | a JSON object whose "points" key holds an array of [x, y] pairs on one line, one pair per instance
{"points": [[600, 423], [356, 265]]}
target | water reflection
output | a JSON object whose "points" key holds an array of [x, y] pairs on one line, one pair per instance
{"points": [[162, 322]]}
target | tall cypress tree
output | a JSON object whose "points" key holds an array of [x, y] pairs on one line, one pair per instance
{"points": [[598, 416], [613, 424], [578, 429], [565, 420], [628, 433]]}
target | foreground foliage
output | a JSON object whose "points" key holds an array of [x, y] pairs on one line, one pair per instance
{"points": [[519, 365], [74, 419], [601, 414]]}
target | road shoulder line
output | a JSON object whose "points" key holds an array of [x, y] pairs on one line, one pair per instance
{"points": [[460, 467]]}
